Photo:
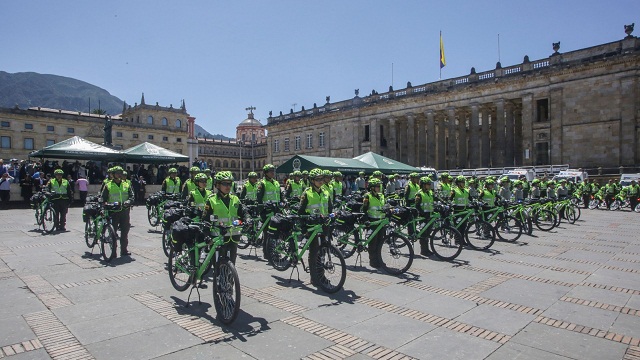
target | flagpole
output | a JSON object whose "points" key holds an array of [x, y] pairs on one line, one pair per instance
{"points": [[440, 60]]}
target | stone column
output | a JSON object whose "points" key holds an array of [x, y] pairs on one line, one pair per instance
{"points": [[392, 140], [442, 150], [628, 121], [555, 116], [510, 134], [431, 139], [452, 146], [474, 137], [411, 140], [421, 148], [518, 146], [527, 129], [486, 139], [462, 139], [374, 134], [497, 147]]}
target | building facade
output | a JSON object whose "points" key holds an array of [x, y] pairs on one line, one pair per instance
{"points": [[580, 108], [25, 130], [248, 152]]}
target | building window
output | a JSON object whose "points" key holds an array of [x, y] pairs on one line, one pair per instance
{"points": [[309, 141], [6, 142], [6, 124], [286, 144], [50, 128], [28, 126], [297, 142], [542, 106], [150, 120], [150, 137], [542, 153], [253, 137], [135, 136], [321, 139], [178, 123], [276, 145], [243, 137], [71, 130], [28, 143], [366, 133], [165, 122], [165, 138], [178, 139], [118, 133], [50, 142]]}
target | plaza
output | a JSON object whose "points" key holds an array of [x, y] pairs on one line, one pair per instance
{"points": [[572, 293]]}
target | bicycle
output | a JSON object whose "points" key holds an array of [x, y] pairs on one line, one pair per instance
{"points": [[507, 228], [44, 212], [289, 243], [100, 229], [185, 272], [156, 206], [393, 259]]}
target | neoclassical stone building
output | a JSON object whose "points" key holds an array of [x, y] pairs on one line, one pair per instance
{"points": [[25, 130], [248, 152], [580, 108]]}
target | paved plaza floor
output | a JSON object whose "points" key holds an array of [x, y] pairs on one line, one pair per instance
{"points": [[573, 293]]}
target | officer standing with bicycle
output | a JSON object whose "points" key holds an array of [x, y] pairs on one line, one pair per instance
{"points": [[171, 185], [424, 200], [372, 206], [199, 196], [315, 200], [121, 192], [250, 188], [60, 190]]}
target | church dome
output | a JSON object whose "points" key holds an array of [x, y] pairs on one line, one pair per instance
{"points": [[250, 121]]}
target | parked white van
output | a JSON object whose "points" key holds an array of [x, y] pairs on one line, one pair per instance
{"points": [[575, 176], [625, 179], [516, 173]]}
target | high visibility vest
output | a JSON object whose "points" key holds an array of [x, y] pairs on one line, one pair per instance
{"points": [[489, 197], [375, 206], [328, 188], [413, 190], [173, 186], [445, 189], [296, 188], [317, 202], [251, 191], [226, 215], [337, 187], [209, 185], [199, 199], [460, 197], [59, 190], [271, 190], [426, 203], [118, 193], [634, 190], [190, 185]]}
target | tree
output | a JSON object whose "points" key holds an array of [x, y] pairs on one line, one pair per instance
{"points": [[99, 111]]}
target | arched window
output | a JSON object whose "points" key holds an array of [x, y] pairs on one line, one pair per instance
{"points": [[178, 123], [225, 164], [150, 120], [233, 164], [247, 165], [217, 164], [165, 122]]}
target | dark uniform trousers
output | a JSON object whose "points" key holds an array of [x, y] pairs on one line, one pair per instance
{"points": [[121, 222], [61, 206]]}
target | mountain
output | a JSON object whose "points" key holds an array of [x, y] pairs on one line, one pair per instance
{"points": [[201, 133], [29, 89]]}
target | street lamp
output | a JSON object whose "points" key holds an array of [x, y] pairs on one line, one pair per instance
{"points": [[240, 143]]}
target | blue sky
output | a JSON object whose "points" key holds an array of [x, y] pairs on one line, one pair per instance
{"points": [[223, 56]]}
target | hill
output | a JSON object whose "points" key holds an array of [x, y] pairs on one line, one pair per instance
{"points": [[202, 133]]}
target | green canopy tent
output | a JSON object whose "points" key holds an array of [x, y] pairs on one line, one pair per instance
{"points": [[79, 149], [305, 162], [386, 165], [147, 153]]}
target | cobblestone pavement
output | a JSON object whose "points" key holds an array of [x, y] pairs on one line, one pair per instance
{"points": [[573, 293]]}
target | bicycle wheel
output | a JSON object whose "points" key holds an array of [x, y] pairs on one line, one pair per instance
{"points": [[593, 204], [331, 270], [571, 214], [396, 254], [48, 219], [637, 208], [152, 215], [180, 270], [90, 233], [615, 205], [244, 241], [446, 242], [166, 241], [527, 225], [108, 243], [508, 229], [344, 242], [38, 216], [480, 235], [545, 220], [226, 291], [282, 252]]}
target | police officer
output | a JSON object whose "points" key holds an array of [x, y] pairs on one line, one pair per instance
{"points": [[372, 206], [444, 187], [518, 192], [268, 187], [563, 190], [207, 172], [199, 196], [634, 192], [424, 200], [411, 189], [505, 188], [294, 187], [315, 200], [361, 181], [60, 194], [171, 185], [121, 192], [336, 184], [110, 176], [250, 188], [190, 184], [391, 186], [227, 207]]}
